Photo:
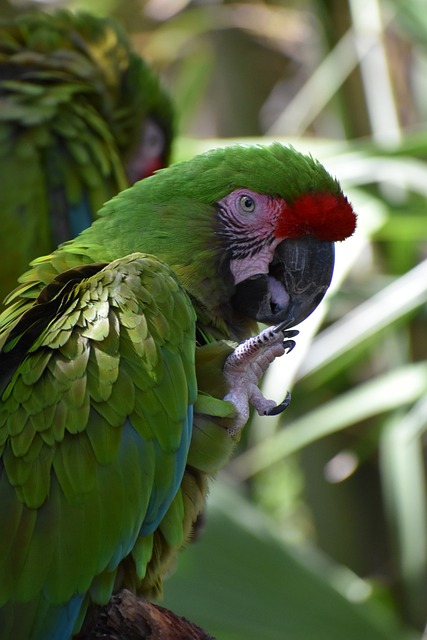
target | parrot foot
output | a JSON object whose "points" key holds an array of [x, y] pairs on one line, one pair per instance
{"points": [[245, 366]]}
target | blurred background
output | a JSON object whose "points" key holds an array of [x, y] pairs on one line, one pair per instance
{"points": [[318, 526]]}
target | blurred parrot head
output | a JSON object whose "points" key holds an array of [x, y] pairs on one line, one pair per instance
{"points": [[89, 55]]}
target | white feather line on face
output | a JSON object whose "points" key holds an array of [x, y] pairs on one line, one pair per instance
{"points": [[248, 223]]}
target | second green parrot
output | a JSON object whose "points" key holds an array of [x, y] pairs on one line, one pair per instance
{"points": [[122, 385], [81, 118]]}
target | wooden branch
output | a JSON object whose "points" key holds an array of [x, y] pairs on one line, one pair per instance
{"points": [[127, 617]]}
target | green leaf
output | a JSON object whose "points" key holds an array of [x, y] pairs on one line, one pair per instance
{"points": [[241, 582]]}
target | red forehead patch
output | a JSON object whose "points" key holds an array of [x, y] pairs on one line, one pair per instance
{"points": [[323, 215]]}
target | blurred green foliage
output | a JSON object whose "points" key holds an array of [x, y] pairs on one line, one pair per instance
{"points": [[318, 527]]}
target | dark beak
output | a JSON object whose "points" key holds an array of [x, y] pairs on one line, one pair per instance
{"points": [[299, 276]]}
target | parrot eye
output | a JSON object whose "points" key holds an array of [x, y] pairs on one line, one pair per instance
{"points": [[247, 204]]}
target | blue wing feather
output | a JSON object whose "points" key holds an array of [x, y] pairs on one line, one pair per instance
{"points": [[160, 501]]}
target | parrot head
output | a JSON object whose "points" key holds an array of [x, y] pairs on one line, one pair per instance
{"points": [[281, 253], [276, 228]]}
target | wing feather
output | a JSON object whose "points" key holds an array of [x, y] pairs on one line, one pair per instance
{"points": [[95, 426]]}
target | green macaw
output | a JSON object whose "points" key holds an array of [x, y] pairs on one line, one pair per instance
{"points": [[81, 118], [122, 387]]}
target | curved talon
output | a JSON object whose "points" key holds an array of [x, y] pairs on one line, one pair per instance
{"points": [[291, 333], [288, 345], [274, 411]]}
